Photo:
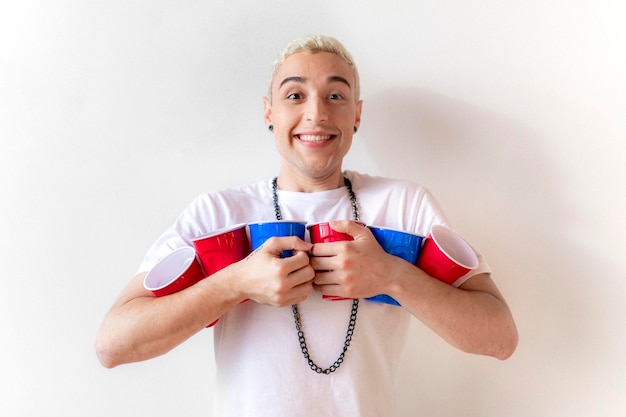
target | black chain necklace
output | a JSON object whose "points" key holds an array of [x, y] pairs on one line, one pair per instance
{"points": [[294, 307]]}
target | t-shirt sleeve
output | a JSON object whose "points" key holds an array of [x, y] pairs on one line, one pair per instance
{"points": [[191, 222], [431, 214]]}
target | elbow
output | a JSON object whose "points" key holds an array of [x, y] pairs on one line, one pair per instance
{"points": [[508, 344], [505, 354], [105, 353], [500, 346]]}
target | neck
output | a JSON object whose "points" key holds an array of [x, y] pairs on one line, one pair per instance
{"points": [[348, 183], [304, 184]]}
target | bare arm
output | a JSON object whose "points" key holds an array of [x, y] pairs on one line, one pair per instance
{"points": [[474, 318], [140, 326]]}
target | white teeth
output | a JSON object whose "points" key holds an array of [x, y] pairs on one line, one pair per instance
{"points": [[313, 138]]}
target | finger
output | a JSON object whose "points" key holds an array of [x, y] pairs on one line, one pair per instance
{"points": [[327, 249], [299, 259], [298, 293], [293, 295], [330, 290], [301, 276], [323, 263], [277, 244], [325, 278], [352, 228]]}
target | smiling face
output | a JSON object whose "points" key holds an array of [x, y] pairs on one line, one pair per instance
{"points": [[314, 112]]}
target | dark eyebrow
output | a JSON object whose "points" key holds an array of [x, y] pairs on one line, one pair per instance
{"points": [[338, 79], [294, 79], [331, 79]]}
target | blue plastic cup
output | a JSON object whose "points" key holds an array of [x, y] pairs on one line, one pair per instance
{"points": [[261, 231], [404, 245]]}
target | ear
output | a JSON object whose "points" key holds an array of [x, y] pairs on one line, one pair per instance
{"points": [[267, 111], [357, 118]]}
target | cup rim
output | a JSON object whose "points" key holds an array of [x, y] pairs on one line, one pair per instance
{"points": [[262, 222], [395, 230], [466, 246], [219, 231], [310, 225], [167, 257]]}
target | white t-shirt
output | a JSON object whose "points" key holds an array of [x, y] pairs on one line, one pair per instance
{"points": [[261, 370]]}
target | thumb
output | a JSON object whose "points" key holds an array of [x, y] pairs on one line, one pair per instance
{"points": [[277, 244], [349, 227]]}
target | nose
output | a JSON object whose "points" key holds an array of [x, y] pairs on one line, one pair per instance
{"points": [[316, 110]]}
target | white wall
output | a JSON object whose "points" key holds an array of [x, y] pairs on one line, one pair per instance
{"points": [[114, 115]]}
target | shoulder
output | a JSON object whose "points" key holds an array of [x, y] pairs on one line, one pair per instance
{"points": [[227, 206], [394, 202]]}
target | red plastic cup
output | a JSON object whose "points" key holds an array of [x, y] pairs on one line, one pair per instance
{"points": [[323, 233], [222, 247], [445, 255], [177, 271]]}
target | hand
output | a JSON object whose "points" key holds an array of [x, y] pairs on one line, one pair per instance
{"points": [[269, 279], [351, 269]]}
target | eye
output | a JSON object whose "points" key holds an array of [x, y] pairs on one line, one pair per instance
{"points": [[294, 96], [335, 96]]}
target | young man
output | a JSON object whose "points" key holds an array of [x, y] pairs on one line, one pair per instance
{"points": [[265, 366]]}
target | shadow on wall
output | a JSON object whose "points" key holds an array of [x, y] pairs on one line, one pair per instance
{"points": [[466, 154], [501, 188]]}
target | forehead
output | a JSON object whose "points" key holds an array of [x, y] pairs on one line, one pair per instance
{"points": [[319, 67]]}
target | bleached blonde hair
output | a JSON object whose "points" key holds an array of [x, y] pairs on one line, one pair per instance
{"points": [[314, 44]]}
